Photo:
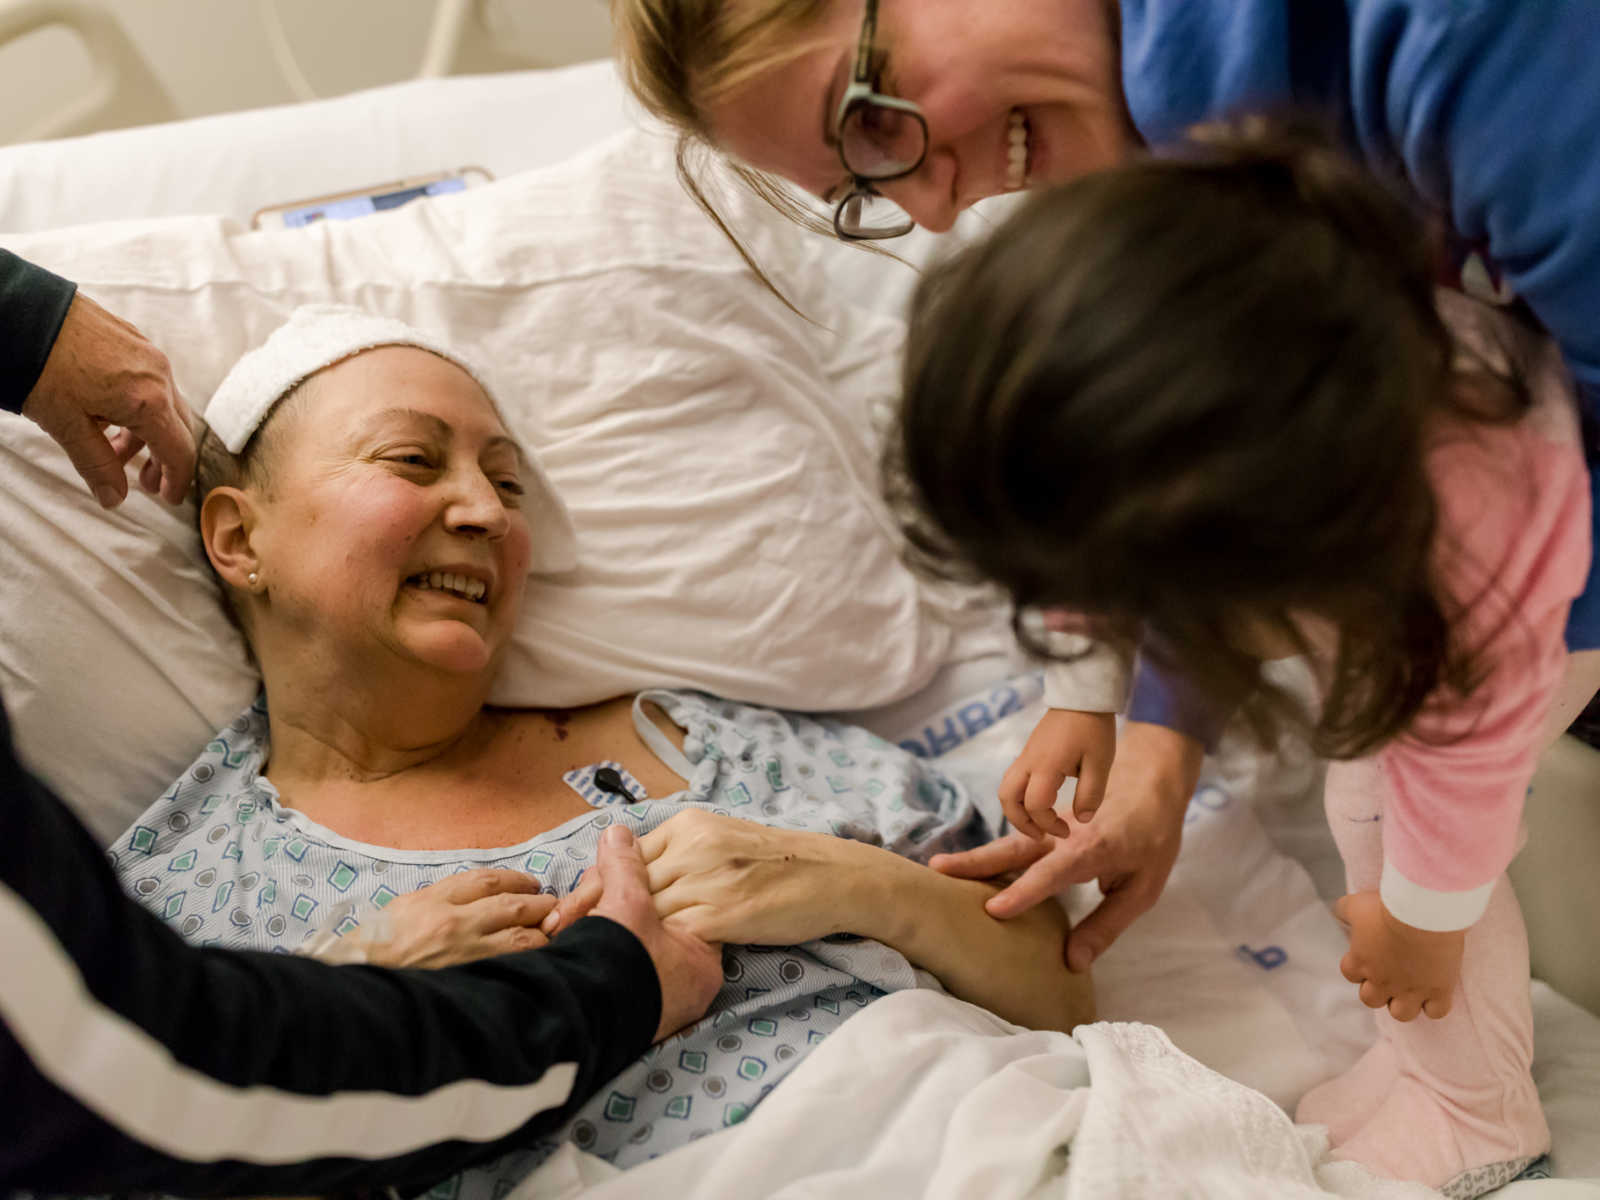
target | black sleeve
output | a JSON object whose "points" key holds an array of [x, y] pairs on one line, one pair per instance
{"points": [[33, 303], [133, 1061]]}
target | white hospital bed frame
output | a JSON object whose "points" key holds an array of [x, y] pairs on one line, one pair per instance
{"points": [[124, 90]]}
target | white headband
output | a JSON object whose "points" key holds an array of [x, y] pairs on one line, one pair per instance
{"points": [[319, 335]]}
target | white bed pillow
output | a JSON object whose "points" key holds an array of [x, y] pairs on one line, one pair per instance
{"points": [[724, 490]]}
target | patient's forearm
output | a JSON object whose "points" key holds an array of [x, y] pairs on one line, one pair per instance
{"points": [[1013, 968]]}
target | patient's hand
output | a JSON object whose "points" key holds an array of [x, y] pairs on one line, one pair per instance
{"points": [[1064, 743], [1129, 845], [727, 880], [1398, 966], [472, 915]]}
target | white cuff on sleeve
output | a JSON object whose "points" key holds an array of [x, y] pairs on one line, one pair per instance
{"points": [[1097, 681], [1424, 908]]}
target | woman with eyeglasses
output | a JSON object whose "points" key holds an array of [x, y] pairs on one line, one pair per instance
{"points": [[899, 113]]}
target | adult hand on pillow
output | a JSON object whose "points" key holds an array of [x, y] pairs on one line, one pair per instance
{"points": [[728, 880], [1129, 845], [102, 371]]}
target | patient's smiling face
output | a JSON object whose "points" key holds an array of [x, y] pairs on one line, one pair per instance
{"points": [[392, 522]]}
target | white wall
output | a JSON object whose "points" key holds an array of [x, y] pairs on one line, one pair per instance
{"points": [[214, 55]]}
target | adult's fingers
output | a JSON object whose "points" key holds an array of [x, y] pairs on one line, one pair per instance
{"points": [[468, 886], [1090, 938], [576, 904], [152, 478], [1040, 801], [1044, 878], [91, 454], [625, 886], [1003, 855], [509, 910], [166, 427], [126, 443]]}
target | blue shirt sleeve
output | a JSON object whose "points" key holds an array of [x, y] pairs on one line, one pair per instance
{"points": [[1163, 695], [1493, 111]]}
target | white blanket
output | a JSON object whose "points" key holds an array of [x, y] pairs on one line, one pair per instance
{"points": [[924, 1095]]}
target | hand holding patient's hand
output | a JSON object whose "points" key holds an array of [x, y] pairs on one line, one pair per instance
{"points": [[728, 880], [689, 968], [1129, 845], [467, 916], [102, 371]]}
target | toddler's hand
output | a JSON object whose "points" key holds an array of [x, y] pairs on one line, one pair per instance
{"points": [[1398, 966], [1064, 743]]}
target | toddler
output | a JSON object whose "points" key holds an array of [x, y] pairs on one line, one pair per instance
{"points": [[1208, 406]]}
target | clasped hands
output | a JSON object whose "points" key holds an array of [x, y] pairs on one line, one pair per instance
{"points": [[726, 880], [701, 879]]}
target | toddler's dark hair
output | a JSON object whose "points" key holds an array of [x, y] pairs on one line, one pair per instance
{"points": [[1193, 395]]}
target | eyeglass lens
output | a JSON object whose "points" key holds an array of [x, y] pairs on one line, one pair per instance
{"points": [[865, 215], [879, 142]]}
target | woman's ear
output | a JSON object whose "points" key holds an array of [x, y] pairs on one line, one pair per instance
{"points": [[227, 520]]}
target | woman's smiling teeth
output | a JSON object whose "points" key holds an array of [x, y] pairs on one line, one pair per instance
{"points": [[1017, 153], [446, 581]]}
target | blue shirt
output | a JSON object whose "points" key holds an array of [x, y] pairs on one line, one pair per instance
{"points": [[1488, 109]]}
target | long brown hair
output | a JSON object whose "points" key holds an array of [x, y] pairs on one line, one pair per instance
{"points": [[1194, 395]]}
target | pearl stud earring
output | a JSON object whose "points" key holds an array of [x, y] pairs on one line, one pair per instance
{"points": [[254, 579]]}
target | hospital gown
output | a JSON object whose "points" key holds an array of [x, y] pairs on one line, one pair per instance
{"points": [[224, 860]]}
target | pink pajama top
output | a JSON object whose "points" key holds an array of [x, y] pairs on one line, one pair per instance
{"points": [[1513, 547]]}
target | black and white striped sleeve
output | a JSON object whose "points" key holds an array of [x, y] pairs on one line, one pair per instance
{"points": [[132, 1061]]}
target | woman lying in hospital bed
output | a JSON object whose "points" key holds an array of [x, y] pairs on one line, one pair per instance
{"points": [[372, 523]]}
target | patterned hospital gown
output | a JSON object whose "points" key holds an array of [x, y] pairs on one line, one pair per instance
{"points": [[221, 858]]}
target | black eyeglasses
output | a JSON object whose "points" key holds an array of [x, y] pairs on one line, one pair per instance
{"points": [[880, 138]]}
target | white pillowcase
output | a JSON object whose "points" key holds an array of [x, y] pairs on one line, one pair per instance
{"points": [[715, 453]]}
